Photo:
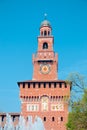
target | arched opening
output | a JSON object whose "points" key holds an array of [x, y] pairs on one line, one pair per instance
{"points": [[44, 119], [48, 33], [45, 33], [44, 85], [61, 119], [53, 119], [45, 45]]}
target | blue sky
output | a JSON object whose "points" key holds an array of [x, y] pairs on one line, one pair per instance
{"points": [[19, 27]]}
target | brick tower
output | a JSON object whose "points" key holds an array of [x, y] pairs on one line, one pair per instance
{"points": [[45, 95]]}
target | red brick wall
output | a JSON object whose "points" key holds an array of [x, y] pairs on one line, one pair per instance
{"points": [[60, 91]]}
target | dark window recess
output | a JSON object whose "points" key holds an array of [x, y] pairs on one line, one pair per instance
{"points": [[53, 119], [48, 33], [54, 85], [60, 85], [62, 97], [39, 85], [49, 85], [44, 118], [45, 45], [33, 85], [44, 85], [13, 118], [61, 118], [28, 85], [23, 85], [45, 33], [65, 85], [2, 118]]}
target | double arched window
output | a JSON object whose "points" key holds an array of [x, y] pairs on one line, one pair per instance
{"points": [[45, 45]]}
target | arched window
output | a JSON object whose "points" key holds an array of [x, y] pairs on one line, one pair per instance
{"points": [[48, 33], [61, 119], [44, 118], [45, 46], [45, 33], [53, 119]]}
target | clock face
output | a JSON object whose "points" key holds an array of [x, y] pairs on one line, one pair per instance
{"points": [[45, 68]]}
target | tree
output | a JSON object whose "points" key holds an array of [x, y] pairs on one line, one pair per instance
{"points": [[77, 86], [77, 119]]}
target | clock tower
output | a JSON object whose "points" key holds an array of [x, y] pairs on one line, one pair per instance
{"points": [[45, 60], [45, 96]]}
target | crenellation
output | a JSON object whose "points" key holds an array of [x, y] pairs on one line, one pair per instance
{"points": [[26, 86], [31, 85]]}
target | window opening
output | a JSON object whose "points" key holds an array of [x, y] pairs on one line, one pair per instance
{"points": [[44, 85], [39, 85], [54, 85], [48, 33], [61, 118], [45, 46], [45, 33], [65, 85], [44, 118], [60, 85], [49, 85], [53, 119], [33, 85], [23, 85], [28, 85]]}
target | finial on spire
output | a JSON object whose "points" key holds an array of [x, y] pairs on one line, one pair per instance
{"points": [[45, 16], [45, 22]]}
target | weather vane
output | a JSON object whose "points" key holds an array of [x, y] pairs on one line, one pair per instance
{"points": [[45, 16]]}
